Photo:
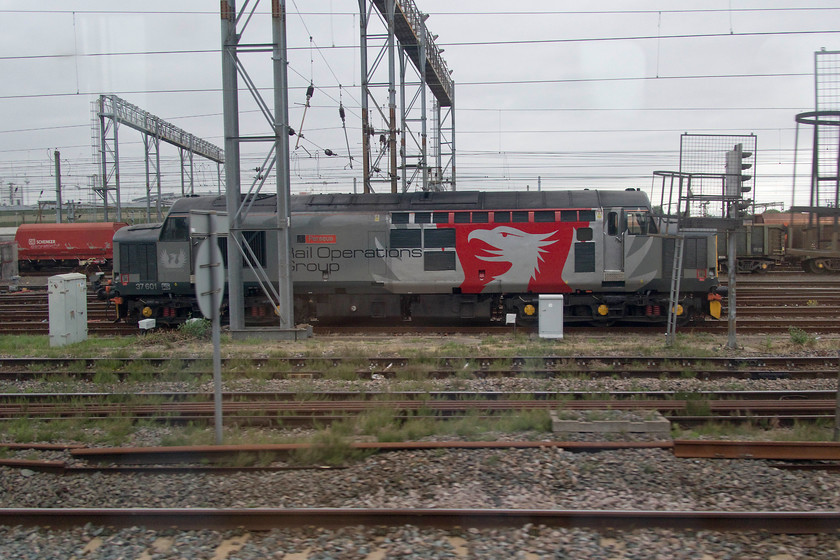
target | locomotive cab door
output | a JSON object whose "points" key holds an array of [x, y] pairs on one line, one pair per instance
{"points": [[614, 231]]}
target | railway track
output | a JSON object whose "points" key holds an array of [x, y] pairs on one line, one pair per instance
{"points": [[307, 412], [770, 303], [380, 396], [754, 367], [132, 460]]}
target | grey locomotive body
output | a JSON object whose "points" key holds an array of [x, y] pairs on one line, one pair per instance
{"points": [[462, 255]]}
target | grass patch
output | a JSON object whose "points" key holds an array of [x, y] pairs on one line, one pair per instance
{"points": [[800, 337], [105, 377], [330, 446], [200, 329]]}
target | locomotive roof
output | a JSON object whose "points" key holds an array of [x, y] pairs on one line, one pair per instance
{"points": [[427, 201], [138, 232]]}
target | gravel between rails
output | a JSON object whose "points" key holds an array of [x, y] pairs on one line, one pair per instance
{"points": [[410, 543], [529, 478], [534, 478], [547, 478], [523, 384]]}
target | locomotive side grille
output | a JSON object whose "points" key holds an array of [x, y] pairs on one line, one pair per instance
{"points": [[140, 259], [434, 261], [694, 254], [584, 257], [256, 241]]}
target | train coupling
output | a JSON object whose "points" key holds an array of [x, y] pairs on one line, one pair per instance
{"points": [[103, 291], [715, 298]]}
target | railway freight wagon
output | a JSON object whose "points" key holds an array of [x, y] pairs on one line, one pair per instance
{"points": [[759, 248], [448, 255], [65, 244]]}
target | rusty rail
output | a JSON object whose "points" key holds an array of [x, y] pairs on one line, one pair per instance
{"points": [[778, 450], [261, 519]]}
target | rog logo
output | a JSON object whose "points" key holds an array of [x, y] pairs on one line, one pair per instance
{"points": [[175, 259], [524, 251]]}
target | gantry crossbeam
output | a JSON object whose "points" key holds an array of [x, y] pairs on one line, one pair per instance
{"points": [[409, 28]]}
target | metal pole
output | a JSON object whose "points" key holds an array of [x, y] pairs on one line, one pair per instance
{"points": [[281, 128], [424, 159], [731, 263], [217, 370], [148, 181], [230, 41], [363, 22], [219, 177], [157, 177], [103, 150], [452, 133], [392, 95], [216, 337], [57, 187], [403, 124], [117, 201], [183, 184], [192, 171], [837, 403]]}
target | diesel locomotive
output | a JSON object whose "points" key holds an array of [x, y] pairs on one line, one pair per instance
{"points": [[441, 255]]}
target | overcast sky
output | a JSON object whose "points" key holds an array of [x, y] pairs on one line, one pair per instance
{"points": [[576, 94]]}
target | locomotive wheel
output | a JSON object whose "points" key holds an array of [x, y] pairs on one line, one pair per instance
{"points": [[810, 266], [688, 317]]}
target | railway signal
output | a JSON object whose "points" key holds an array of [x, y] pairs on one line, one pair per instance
{"points": [[735, 176]]}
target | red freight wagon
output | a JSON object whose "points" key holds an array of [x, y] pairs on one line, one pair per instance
{"points": [[69, 243]]}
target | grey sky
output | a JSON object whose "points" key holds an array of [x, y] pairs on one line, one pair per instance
{"points": [[579, 94]]}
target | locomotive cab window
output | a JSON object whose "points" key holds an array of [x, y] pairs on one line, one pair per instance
{"points": [[640, 223], [175, 228], [612, 223]]}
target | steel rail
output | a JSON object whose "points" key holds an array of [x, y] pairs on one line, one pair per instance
{"points": [[199, 454], [263, 519], [450, 407], [444, 395], [778, 450], [712, 449], [520, 363], [746, 325]]}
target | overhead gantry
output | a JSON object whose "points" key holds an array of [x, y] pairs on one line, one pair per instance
{"points": [[406, 26]]}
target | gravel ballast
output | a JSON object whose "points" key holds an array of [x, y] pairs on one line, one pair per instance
{"points": [[545, 478]]}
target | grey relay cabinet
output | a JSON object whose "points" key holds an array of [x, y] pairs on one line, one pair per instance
{"points": [[551, 316], [68, 308]]}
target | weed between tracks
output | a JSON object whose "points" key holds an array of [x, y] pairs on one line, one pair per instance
{"points": [[821, 430], [425, 354]]}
